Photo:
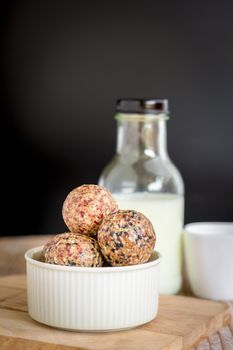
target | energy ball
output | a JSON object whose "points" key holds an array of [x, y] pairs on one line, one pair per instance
{"points": [[126, 237], [85, 207], [72, 249]]}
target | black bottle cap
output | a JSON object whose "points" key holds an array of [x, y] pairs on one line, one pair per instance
{"points": [[142, 106]]}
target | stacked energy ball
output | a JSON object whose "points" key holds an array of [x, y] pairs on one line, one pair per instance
{"points": [[99, 232]]}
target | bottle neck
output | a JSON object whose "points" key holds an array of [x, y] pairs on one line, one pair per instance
{"points": [[139, 135]]}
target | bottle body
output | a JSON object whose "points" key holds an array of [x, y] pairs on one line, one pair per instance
{"points": [[166, 212], [142, 177]]}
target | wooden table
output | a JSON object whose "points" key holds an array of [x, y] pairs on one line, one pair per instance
{"points": [[12, 251], [182, 322]]}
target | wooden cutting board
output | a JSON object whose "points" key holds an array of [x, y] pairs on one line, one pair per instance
{"points": [[181, 323]]}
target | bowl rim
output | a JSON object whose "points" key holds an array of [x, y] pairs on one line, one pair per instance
{"points": [[29, 253], [203, 229]]}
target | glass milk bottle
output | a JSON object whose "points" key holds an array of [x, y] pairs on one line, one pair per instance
{"points": [[141, 176]]}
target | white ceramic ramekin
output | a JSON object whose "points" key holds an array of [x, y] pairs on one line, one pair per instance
{"points": [[209, 259], [92, 298]]}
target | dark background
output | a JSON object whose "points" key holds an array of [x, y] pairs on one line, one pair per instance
{"points": [[64, 65]]}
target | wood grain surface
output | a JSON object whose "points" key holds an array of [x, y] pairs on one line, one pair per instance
{"points": [[181, 323], [12, 251]]}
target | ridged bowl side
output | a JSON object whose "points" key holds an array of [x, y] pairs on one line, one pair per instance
{"points": [[92, 299]]}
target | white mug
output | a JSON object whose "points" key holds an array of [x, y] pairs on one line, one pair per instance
{"points": [[208, 248]]}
